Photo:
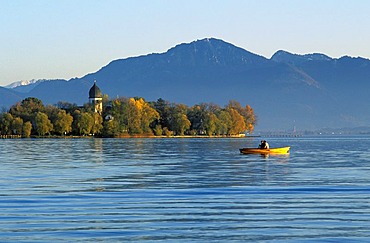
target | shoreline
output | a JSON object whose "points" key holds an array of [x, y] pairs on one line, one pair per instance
{"points": [[126, 136]]}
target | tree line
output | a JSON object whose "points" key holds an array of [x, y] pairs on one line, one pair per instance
{"points": [[126, 116]]}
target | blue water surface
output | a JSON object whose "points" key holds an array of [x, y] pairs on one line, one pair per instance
{"points": [[184, 190]]}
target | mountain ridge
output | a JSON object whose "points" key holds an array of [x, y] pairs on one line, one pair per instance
{"points": [[307, 91]]}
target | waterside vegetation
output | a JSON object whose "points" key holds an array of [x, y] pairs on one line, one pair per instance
{"points": [[124, 117]]}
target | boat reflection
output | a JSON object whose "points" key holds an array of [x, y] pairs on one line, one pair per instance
{"points": [[281, 158]]}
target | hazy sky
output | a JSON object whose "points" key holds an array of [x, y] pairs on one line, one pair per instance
{"points": [[70, 38]]}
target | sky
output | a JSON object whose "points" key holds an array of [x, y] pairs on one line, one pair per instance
{"points": [[52, 39]]}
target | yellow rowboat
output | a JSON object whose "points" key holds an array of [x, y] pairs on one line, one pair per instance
{"points": [[282, 150]]}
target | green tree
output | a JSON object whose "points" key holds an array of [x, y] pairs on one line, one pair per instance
{"points": [[224, 123], [164, 110], [6, 121], [210, 124], [178, 119], [52, 112], [111, 128], [117, 123], [43, 124], [84, 123], [197, 116], [27, 109], [181, 123], [75, 126], [63, 122], [17, 126]]}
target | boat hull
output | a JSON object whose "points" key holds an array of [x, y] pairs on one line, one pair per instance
{"points": [[282, 150]]}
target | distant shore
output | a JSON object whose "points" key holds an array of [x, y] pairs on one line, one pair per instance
{"points": [[130, 136]]}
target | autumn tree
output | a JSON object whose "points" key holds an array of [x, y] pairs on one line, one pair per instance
{"points": [[148, 116], [158, 130], [26, 129], [131, 115], [140, 115], [246, 112], [134, 117], [237, 121], [98, 123], [250, 118]]}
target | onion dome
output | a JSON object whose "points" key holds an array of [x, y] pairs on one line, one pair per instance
{"points": [[95, 92]]}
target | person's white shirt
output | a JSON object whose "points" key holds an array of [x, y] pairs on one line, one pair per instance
{"points": [[267, 146]]}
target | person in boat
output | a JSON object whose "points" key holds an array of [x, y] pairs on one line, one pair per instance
{"points": [[260, 145], [264, 145]]}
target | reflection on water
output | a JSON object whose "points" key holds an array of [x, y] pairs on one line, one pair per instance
{"points": [[184, 190], [281, 157]]}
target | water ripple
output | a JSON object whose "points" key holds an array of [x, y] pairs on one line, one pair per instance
{"points": [[86, 190]]}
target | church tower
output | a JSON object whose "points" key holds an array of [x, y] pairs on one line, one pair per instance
{"points": [[96, 98]]}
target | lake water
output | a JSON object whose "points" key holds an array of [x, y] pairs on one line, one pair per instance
{"points": [[184, 190]]}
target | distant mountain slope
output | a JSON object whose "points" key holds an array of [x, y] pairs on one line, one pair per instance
{"points": [[306, 91], [346, 80], [8, 97]]}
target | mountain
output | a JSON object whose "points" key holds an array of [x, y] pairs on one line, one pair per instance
{"points": [[345, 80], [8, 97], [304, 91], [295, 59], [25, 86]]}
